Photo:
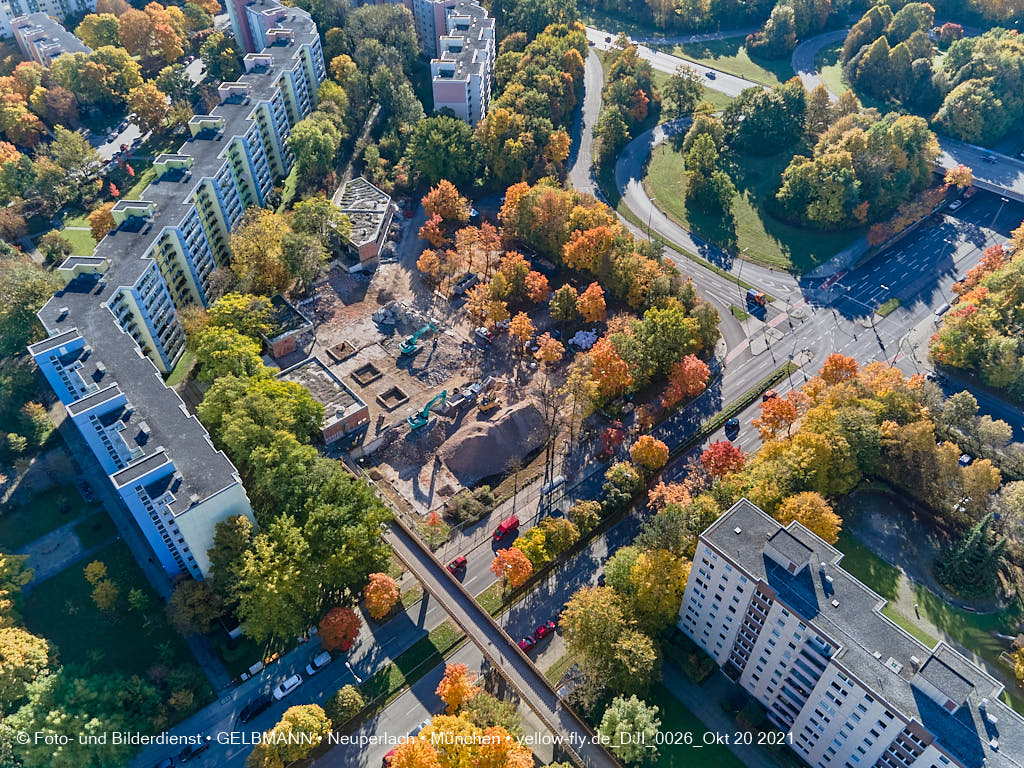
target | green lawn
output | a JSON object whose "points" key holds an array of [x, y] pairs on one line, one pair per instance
{"points": [[766, 239], [717, 99], [865, 565], [827, 62], [61, 610], [81, 220], [142, 180], [95, 529], [82, 242], [731, 55], [46, 511], [676, 718], [182, 369]]}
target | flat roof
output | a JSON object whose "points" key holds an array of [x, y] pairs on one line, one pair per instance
{"points": [[326, 388], [285, 318], [475, 36], [366, 206]]}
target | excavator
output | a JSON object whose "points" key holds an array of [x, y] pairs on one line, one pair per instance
{"points": [[412, 344], [488, 402], [421, 419]]}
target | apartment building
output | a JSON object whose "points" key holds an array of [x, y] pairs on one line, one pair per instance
{"points": [[429, 19], [114, 327], [849, 687], [462, 70], [42, 39], [57, 9]]}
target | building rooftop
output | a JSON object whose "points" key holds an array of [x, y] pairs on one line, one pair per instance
{"points": [[48, 35], [326, 388], [872, 649], [366, 207], [285, 318], [470, 31]]}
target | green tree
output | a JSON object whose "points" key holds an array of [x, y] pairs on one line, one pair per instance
{"points": [[485, 710], [23, 656], [219, 53], [103, 77], [631, 727], [969, 569], [314, 142], [320, 217], [681, 92], [194, 607], [71, 152], [173, 80], [54, 247], [98, 29], [565, 303], [245, 313], [444, 147], [344, 704], [24, 288], [708, 187], [231, 538], [223, 351]]}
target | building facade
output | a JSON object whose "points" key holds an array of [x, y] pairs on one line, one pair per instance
{"points": [[57, 9], [847, 686], [114, 327], [462, 71], [429, 19], [42, 39]]}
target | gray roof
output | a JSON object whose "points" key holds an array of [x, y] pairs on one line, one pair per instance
{"points": [[53, 34], [285, 318], [366, 206], [324, 386], [468, 61], [874, 650], [790, 546]]}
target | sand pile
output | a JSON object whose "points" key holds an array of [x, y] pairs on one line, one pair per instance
{"points": [[483, 448]]}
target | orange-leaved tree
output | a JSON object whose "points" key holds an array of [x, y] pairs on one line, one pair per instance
{"points": [[549, 349], [521, 329], [101, 221], [338, 629], [446, 202], [610, 372], [722, 458], [381, 595], [777, 415], [813, 512], [591, 304], [837, 368], [512, 567], [457, 687], [649, 452], [433, 231], [688, 378]]}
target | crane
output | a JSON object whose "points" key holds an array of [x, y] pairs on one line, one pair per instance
{"points": [[421, 419], [412, 343]]}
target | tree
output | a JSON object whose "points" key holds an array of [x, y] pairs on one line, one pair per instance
{"points": [[585, 515], [381, 595], [101, 221], [630, 728], [223, 351], [304, 258], [960, 176], [54, 247], [658, 579], [98, 29], [591, 305], [315, 141], [722, 458], [812, 511], [105, 594], [194, 607], [24, 288], [339, 629], [688, 378], [149, 104], [344, 704], [610, 372], [969, 569], [960, 410], [485, 711], [838, 368], [299, 732], [415, 753], [564, 304], [549, 349], [445, 200], [649, 453], [95, 572], [681, 92], [443, 147], [777, 414], [521, 329], [23, 657], [512, 567], [456, 687], [256, 245], [321, 218], [707, 186], [220, 57], [246, 313], [231, 538]]}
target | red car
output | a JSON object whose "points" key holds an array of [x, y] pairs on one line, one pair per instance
{"points": [[457, 564], [526, 644], [544, 630], [507, 525], [771, 394]]}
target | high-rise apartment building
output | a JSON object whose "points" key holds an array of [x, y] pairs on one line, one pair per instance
{"points": [[42, 38], [114, 327], [848, 687], [461, 72]]}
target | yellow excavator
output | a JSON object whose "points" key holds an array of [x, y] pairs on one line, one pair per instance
{"points": [[488, 402]]}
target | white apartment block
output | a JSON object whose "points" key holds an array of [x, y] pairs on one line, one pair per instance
{"points": [[42, 39], [851, 689], [462, 71], [114, 327]]}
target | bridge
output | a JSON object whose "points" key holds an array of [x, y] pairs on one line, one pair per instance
{"points": [[1001, 174], [500, 650]]}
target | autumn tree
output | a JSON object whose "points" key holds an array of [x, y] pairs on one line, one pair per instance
{"points": [[344, 704], [194, 607], [658, 580], [95, 572], [837, 368], [149, 104], [549, 349], [23, 657], [446, 202], [812, 511], [564, 304], [591, 304], [649, 453], [101, 221], [338, 629], [537, 287], [433, 231], [521, 329], [256, 244], [381, 594], [512, 567], [610, 372], [777, 415], [722, 458], [688, 378], [456, 687], [960, 176]]}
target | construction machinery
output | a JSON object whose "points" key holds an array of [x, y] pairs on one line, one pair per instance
{"points": [[412, 344], [488, 402], [421, 419]]}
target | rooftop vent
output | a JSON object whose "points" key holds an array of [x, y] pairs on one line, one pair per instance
{"points": [[101, 369], [894, 665], [144, 429], [737, 530], [835, 603], [877, 655], [62, 313], [994, 744]]}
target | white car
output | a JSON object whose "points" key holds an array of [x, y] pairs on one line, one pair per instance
{"points": [[485, 334], [955, 204], [287, 687], [318, 662]]}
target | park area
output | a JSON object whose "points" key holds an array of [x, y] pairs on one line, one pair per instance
{"points": [[731, 55], [751, 229]]}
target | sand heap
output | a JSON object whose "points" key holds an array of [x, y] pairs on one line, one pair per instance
{"points": [[483, 448]]}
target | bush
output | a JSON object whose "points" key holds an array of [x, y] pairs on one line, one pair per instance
{"points": [[344, 704], [469, 506]]}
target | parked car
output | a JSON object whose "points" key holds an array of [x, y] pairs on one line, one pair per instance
{"points": [[318, 662], [965, 459], [732, 426], [526, 644], [191, 751], [506, 526], [938, 378], [942, 310], [485, 334], [456, 565], [545, 629], [771, 394], [287, 687], [254, 707], [989, 158], [600, 580]]}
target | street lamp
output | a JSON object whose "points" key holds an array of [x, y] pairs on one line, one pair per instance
{"points": [[1003, 201], [650, 216], [739, 273]]}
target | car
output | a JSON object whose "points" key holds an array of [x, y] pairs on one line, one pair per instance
{"points": [[608, 39], [711, 74], [287, 687], [318, 662], [191, 751], [557, 334], [165, 763], [756, 297], [416, 731], [485, 334], [474, 215], [771, 394], [965, 459], [989, 158], [545, 629], [456, 565], [732, 425], [938, 378], [471, 391], [1009, 249], [526, 644], [505, 527], [943, 309], [600, 580], [955, 204], [591, 42], [254, 707]]}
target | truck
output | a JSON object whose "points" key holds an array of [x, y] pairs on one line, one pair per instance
{"points": [[756, 297]]}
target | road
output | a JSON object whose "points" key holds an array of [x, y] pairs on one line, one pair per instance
{"points": [[804, 55], [581, 155]]}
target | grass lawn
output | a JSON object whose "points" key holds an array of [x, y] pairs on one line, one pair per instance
{"points": [[61, 610], [81, 220], [865, 565], [82, 243], [766, 239], [730, 55], [739, 314], [95, 529], [676, 718], [717, 99], [831, 69], [46, 511], [559, 667], [182, 369], [142, 180]]}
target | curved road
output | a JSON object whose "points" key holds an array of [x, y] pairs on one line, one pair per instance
{"points": [[805, 54]]}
